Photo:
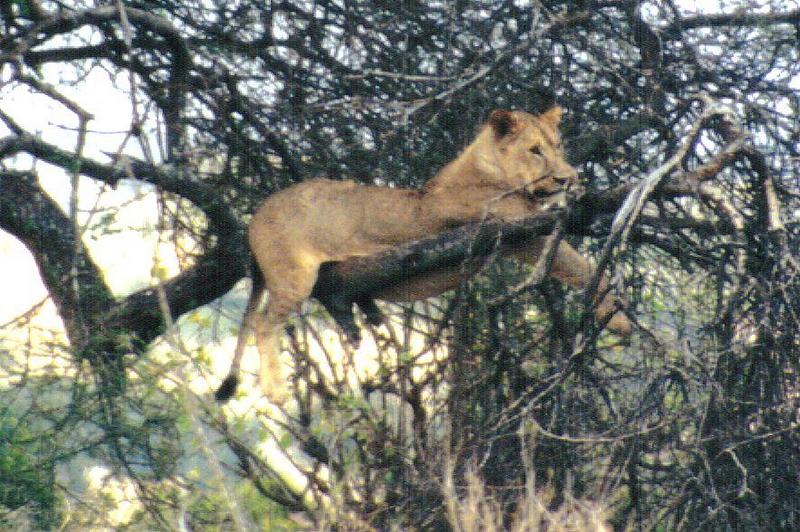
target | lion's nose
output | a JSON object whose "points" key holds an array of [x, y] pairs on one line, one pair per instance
{"points": [[563, 180], [566, 177]]}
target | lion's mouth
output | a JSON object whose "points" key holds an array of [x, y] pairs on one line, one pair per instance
{"points": [[548, 199], [543, 194]]}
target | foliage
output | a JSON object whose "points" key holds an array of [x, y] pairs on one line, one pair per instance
{"points": [[26, 478]]}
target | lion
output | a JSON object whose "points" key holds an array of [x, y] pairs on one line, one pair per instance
{"points": [[513, 169]]}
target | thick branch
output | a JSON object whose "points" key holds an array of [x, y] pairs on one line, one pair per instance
{"points": [[167, 178], [67, 21], [30, 215], [359, 278], [19, 46], [212, 276], [362, 276], [646, 39]]}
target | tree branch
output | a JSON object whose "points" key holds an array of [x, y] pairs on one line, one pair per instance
{"points": [[212, 276], [360, 278], [601, 143], [167, 178], [30, 215], [18, 47], [737, 18]]}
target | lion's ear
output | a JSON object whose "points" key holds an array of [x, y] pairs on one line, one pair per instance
{"points": [[552, 116], [503, 122]]}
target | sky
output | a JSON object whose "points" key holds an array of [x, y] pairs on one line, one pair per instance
{"points": [[125, 252]]}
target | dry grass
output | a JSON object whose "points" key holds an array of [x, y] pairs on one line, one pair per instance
{"points": [[477, 511]]}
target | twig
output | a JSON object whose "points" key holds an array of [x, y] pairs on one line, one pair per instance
{"points": [[774, 222], [596, 439], [632, 207], [634, 203], [240, 522], [77, 249], [127, 33], [542, 267], [397, 75]]}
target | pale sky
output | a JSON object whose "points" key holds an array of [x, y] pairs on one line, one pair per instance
{"points": [[126, 253]]}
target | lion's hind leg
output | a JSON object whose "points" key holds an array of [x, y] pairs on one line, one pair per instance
{"points": [[289, 283], [329, 293]]}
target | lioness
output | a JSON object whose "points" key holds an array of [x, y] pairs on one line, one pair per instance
{"points": [[513, 169]]}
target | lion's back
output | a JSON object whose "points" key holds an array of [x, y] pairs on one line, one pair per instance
{"points": [[334, 217]]}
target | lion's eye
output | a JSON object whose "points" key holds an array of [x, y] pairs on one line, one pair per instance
{"points": [[536, 150]]}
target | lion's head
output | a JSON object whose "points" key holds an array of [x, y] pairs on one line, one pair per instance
{"points": [[524, 150]]}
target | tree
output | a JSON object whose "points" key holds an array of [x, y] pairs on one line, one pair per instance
{"points": [[683, 125]]}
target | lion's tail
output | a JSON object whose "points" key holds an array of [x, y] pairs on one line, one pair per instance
{"points": [[229, 384]]}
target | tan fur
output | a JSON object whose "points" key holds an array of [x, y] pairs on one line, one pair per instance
{"points": [[513, 169]]}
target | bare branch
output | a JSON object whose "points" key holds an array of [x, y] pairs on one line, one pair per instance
{"points": [[28, 213], [737, 18]]}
